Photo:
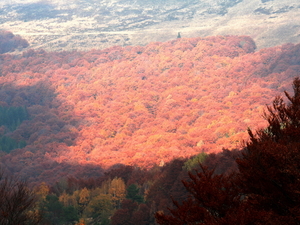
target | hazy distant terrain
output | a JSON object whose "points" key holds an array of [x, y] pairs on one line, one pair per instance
{"points": [[85, 24]]}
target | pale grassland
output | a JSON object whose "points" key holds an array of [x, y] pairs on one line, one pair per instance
{"points": [[279, 24]]}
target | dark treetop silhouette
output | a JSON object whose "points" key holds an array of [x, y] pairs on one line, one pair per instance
{"points": [[266, 187]]}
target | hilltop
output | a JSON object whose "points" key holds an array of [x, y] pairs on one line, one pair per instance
{"points": [[84, 25]]}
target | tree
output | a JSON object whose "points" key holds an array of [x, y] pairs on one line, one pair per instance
{"points": [[9, 42], [269, 169], [56, 213], [17, 202], [123, 215], [133, 194], [212, 197], [99, 209], [53, 210], [265, 189], [117, 190], [84, 198], [194, 161]]}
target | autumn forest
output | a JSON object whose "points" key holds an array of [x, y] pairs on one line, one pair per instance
{"points": [[107, 136]]}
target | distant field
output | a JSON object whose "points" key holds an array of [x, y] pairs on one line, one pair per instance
{"points": [[83, 25]]}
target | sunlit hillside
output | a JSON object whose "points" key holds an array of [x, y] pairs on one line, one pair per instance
{"points": [[137, 105]]}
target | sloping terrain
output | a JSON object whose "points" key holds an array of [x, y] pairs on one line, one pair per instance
{"points": [[83, 25], [138, 105]]}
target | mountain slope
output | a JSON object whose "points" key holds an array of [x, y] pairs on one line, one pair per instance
{"points": [[84, 25], [139, 105]]}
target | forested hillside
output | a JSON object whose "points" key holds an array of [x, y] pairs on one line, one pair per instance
{"points": [[140, 106], [106, 136], [9, 42]]}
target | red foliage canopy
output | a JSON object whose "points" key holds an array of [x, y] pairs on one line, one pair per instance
{"points": [[141, 105], [265, 189]]}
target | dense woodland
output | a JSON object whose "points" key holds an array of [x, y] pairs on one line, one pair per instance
{"points": [[10, 42], [107, 136], [264, 189]]}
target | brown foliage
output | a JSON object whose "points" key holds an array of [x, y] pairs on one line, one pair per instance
{"points": [[273, 183], [265, 189], [17, 202]]}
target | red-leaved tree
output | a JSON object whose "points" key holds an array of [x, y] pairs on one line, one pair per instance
{"points": [[266, 187]]}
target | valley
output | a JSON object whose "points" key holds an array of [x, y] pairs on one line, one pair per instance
{"points": [[108, 108]]}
